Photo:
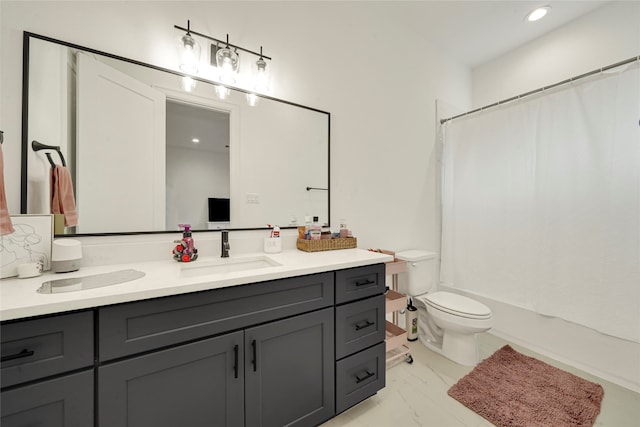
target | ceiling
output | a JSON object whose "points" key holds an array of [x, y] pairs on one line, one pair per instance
{"points": [[475, 32], [186, 122]]}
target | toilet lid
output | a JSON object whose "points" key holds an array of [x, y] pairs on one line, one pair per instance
{"points": [[457, 305]]}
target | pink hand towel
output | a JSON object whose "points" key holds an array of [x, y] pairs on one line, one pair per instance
{"points": [[6, 226], [62, 199]]}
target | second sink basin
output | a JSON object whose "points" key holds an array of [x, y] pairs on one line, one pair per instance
{"points": [[227, 265]]}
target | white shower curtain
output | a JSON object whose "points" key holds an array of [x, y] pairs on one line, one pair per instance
{"points": [[541, 203]]}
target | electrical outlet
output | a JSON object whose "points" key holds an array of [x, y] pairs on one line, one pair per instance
{"points": [[253, 199]]}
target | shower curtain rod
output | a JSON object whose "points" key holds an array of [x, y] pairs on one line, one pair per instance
{"points": [[542, 89]]}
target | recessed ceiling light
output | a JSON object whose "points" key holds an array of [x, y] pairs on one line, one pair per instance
{"points": [[538, 13], [195, 141]]}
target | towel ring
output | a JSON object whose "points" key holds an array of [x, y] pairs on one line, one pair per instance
{"points": [[37, 146]]}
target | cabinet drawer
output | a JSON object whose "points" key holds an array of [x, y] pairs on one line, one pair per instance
{"points": [[33, 349], [359, 376], [359, 282], [141, 326], [65, 402], [359, 325]]}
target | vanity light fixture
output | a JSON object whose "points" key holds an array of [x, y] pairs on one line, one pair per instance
{"points": [[538, 13], [222, 92], [228, 61], [189, 51]]}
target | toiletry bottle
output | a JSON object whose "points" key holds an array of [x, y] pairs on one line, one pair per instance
{"points": [[316, 230], [307, 227], [344, 231], [186, 236], [412, 321]]}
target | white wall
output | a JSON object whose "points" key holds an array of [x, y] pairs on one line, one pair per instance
{"points": [[605, 36], [383, 117], [190, 202]]}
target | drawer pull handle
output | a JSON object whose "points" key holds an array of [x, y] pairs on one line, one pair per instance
{"points": [[23, 353], [235, 363], [367, 374], [255, 359], [366, 325], [365, 282]]}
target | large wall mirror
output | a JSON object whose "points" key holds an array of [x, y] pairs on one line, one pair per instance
{"points": [[146, 155]]}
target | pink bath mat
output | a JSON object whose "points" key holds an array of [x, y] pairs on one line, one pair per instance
{"points": [[511, 389]]}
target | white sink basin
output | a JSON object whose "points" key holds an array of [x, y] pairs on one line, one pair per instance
{"points": [[227, 265]]}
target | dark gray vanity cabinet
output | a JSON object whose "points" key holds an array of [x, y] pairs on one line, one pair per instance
{"points": [[254, 355], [279, 373], [47, 371], [360, 334]]}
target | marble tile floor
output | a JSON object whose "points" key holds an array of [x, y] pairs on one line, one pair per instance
{"points": [[416, 394]]}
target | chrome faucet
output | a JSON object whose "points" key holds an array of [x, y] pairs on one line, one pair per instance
{"points": [[224, 252]]}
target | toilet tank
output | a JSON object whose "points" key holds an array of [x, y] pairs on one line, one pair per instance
{"points": [[420, 277]]}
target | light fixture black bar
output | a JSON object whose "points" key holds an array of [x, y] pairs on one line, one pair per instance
{"points": [[221, 41], [542, 89], [316, 188]]}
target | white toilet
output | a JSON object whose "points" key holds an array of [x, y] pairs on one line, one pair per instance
{"points": [[447, 323]]}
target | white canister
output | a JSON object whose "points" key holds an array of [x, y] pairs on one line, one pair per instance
{"points": [[66, 255]]}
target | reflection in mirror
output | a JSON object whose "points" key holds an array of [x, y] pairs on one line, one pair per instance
{"points": [[197, 152], [146, 155]]}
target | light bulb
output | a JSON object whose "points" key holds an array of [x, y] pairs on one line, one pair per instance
{"points": [[261, 76], [188, 84], [222, 92], [228, 62], [252, 99], [189, 51], [538, 13]]}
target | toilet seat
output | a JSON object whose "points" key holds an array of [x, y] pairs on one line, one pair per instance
{"points": [[456, 305]]}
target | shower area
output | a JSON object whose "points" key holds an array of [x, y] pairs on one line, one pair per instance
{"points": [[541, 218]]}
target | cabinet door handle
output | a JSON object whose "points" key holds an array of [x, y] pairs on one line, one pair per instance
{"points": [[367, 374], [23, 353], [255, 359], [235, 363], [366, 324], [365, 282]]}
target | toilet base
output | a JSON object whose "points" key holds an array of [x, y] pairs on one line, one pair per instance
{"points": [[462, 349]]}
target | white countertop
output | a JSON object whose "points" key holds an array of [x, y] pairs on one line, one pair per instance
{"points": [[19, 299]]}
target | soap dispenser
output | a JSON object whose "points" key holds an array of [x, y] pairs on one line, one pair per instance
{"points": [[185, 250]]}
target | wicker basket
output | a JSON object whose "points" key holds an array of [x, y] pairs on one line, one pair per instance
{"points": [[327, 244]]}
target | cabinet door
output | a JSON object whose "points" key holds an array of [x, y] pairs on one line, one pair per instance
{"points": [[289, 368], [197, 384], [62, 402]]}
